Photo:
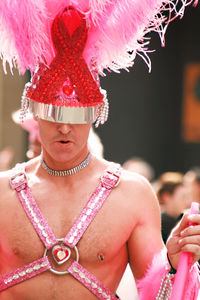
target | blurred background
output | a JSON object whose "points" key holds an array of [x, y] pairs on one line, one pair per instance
{"points": [[154, 116]]}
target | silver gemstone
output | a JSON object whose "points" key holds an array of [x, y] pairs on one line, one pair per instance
{"points": [[71, 239], [75, 270], [88, 212], [36, 267], [44, 264], [82, 275], [94, 285], [83, 218], [79, 225], [48, 241], [40, 226], [99, 290], [44, 233], [92, 205], [29, 270], [87, 280], [36, 220], [75, 233], [104, 295]]}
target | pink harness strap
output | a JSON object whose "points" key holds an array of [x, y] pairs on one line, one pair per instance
{"points": [[90, 281], [18, 182], [109, 180], [37, 267]]}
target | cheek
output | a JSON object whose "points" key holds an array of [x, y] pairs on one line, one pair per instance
{"points": [[82, 132]]}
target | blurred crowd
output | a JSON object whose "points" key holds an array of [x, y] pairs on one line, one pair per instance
{"points": [[175, 190]]}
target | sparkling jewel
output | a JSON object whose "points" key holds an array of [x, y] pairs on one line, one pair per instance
{"points": [[61, 253], [68, 89]]}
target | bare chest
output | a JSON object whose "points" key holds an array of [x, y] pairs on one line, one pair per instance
{"points": [[103, 238]]}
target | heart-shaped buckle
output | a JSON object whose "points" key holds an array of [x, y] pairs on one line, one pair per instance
{"points": [[61, 253]]}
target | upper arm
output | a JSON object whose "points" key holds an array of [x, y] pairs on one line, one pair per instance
{"points": [[145, 239]]}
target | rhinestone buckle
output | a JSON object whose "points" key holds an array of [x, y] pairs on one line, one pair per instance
{"points": [[110, 175], [18, 180]]}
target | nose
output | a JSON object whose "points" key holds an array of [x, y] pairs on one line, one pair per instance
{"points": [[64, 128]]}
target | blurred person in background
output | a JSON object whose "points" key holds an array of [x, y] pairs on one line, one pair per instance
{"points": [[174, 198], [140, 166], [192, 180], [31, 127], [6, 157]]}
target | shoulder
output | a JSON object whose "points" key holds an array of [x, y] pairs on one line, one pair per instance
{"points": [[136, 184], [138, 194], [5, 176]]}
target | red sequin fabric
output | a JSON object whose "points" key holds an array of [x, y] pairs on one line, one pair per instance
{"points": [[68, 80]]}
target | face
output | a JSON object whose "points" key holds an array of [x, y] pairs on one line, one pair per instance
{"points": [[181, 198], [63, 142]]}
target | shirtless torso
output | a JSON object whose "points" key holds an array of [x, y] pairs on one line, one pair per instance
{"points": [[118, 234]]}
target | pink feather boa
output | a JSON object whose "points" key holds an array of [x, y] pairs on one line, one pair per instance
{"points": [[116, 27], [149, 285]]}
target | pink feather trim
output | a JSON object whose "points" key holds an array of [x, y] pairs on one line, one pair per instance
{"points": [[116, 27], [149, 285]]}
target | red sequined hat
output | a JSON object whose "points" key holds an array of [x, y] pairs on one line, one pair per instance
{"points": [[67, 44], [67, 91]]}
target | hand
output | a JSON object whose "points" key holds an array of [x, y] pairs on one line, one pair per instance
{"points": [[184, 238]]}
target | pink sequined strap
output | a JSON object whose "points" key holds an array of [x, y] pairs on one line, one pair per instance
{"points": [[109, 180], [19, 182], [21, 274], [90, 282]]}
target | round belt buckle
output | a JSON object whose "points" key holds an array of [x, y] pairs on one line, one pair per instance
{"points": [[61, 253]]}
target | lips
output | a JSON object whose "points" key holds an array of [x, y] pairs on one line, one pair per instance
{"points": [[63, 142]]}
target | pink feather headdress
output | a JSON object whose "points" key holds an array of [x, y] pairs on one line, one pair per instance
{"points": [[116, 33]]}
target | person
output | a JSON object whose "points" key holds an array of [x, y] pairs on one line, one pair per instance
{"points": [[6, 157], [140, 166], [174, 198], [54, 242], [31, 127], [192, 180]]}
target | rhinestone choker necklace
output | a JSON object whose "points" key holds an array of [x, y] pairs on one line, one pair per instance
{"points": [[72, 171]]}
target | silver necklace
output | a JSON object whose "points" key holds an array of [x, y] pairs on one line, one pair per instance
{"points": [[72, 171]]}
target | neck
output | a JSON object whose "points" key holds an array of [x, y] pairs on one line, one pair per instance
{"points": [[64, 161]]}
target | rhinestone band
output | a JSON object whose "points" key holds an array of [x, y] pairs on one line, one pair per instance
{"points": [[91, 282], [165, 287], [21, 274], [72, 171]]}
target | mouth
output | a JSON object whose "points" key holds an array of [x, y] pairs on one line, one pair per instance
{"points": [[63, 142]]}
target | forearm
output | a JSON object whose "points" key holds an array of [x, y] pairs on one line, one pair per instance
{"points": [[158, 281]]}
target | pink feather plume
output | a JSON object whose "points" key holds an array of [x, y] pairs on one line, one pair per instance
{"points": [[117, 30]]}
